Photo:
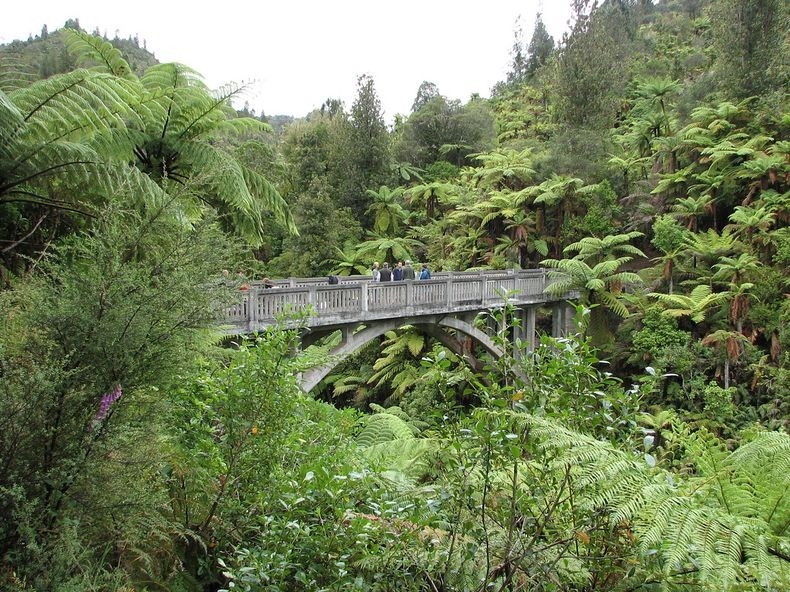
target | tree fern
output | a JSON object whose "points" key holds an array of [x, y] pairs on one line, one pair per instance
{"points": [[172, 117], [695, 305], [727, 524], [51, 131]]}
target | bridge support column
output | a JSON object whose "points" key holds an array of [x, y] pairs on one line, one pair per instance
{"points": [[519, 333], [558, 320], [347, 333], [531, 313], [569, 320], [562, 323], [252, 306]]}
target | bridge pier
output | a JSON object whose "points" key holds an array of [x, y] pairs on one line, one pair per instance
{"points": [[524, 330], [562, 320]]}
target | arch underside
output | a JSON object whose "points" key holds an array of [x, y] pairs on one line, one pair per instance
{"points": [[355, 337]]}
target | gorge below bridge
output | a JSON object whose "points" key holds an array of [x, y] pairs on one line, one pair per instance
{"points": [[444, 307]]}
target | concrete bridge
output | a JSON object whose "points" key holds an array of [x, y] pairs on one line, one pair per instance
{"points": [[444, 307]]}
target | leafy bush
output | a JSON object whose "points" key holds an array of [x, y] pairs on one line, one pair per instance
{"points": [[86, 349]]}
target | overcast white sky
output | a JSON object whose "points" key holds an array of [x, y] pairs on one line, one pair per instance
{"points": [[299, 53]]}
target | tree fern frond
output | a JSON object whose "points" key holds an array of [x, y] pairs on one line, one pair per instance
{"points": [[383, 427], [16, 73], [415, 342], [270, 198], [172, 75], [404, 380], [207, 112], [615, 305], [243, 125], [12, 123], [74, 105], [88, 49]]}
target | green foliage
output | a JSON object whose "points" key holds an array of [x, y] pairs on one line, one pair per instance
{"points": [[366, 162], [668, 235], [752, 54], [134, 457], [695, 305], [323, 230], [658, 332], [439, 129], [384, 427], [52, 159], [600, 281], [565, 383], [592, 67], [90, 346], [719, 404], [228, 427], [68, 141]]}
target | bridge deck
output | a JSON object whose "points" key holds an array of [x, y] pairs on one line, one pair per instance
{"points": [[358, 299]]}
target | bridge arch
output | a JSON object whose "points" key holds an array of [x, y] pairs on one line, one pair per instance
{"points": [[364, 310], [434, 326]]}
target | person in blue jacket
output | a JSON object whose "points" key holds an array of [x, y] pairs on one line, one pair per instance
{"points": [[425, 274]]}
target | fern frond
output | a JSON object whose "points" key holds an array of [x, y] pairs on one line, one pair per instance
{"points": [[244, 125], [383, 427], [15, 74], [89, 49], [74, 105], [412, 457], [172, 75]]}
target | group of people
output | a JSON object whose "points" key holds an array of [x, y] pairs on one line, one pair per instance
{"points": [[402, 270]]}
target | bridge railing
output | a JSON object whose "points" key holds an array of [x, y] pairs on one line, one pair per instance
{"points": [[359, 296]]}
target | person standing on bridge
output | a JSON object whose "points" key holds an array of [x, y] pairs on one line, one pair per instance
{"points": [[425, 274], [397, 273], [375, 271], [408, 271], [385, 275]]}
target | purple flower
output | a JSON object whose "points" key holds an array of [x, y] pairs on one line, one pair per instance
{"points": [[106, 402]]}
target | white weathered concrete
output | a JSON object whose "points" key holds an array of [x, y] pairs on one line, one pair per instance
{"points": [[365, 310], [357, 299]]}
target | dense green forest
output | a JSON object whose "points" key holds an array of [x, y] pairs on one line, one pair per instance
{"points": [[644, 159]]}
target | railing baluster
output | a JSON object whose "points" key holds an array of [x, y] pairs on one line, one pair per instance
{"points": [[446, 292]]}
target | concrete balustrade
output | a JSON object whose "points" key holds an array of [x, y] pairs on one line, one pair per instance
{"points": [[358, 299]]}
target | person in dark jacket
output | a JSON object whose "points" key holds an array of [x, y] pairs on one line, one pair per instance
{"points": [[397, 273], [408, 271], [385, 275]]}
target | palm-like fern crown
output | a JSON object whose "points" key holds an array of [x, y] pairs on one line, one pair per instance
{"points": [[85, 126], [66, 128]]}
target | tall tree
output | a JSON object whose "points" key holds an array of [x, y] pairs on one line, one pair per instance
{"points": [[426, 92], [752, 49], [518, 64], [541, 47], [592, 69], [368, 158]]}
